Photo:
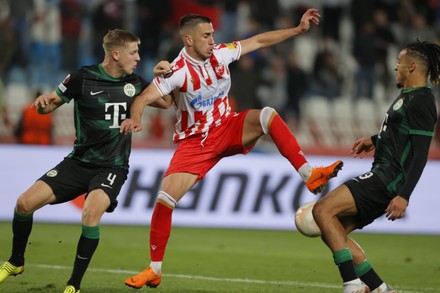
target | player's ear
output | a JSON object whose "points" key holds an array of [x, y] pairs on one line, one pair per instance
{"points": [[188, 40], [115, 55], [412, 67]]}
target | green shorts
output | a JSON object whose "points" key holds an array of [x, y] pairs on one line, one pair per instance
{"points": [[72, 178], [371, 197]]}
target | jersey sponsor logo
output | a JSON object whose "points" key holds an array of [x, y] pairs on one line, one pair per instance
{"points": [[398, 104], [129, 90], [92, 93], [117, 113], [199, 102], [52, 173]]}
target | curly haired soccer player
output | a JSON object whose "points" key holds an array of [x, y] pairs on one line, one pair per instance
{"points": [[98, 163], [207, 130], [401, 152]]}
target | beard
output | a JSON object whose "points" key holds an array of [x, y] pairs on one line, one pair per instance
{"points": [[399, 85]]}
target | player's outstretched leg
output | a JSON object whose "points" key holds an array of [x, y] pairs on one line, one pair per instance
{"points": [[7, 269], [314, 178], [321, 175], [146, 278]]}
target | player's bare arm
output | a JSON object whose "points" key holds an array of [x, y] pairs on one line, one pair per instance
{"points": [[150, 95], [164, 103], [47, 103], [274, 37]]}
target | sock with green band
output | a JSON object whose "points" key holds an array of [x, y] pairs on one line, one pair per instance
{"points": [[344, 260], [367, 274], [21, 229], [87, 244]]}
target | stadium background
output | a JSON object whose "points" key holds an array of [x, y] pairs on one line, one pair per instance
{"points": [[42, 40]]}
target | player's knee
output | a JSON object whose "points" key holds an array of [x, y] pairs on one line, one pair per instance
{"points": [[23, 207], [265, 115], [318, 211], [91, 216]]}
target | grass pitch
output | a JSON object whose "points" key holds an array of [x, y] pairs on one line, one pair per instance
{"points": [[217, 260]]}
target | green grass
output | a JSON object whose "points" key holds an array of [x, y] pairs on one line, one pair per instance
{"points": [[218, 260]]}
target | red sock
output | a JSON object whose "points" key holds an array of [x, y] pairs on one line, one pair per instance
{"points": [[160, 231], [286, 142]]}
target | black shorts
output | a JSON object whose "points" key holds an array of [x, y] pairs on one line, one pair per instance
{"points": [[371, 197], [72, 178]]}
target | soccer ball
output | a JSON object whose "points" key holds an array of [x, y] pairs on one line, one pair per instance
{"points": [[304, 221]]}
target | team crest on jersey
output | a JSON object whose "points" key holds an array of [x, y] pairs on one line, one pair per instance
{"points": [[398, 104], [52, 173], [220, 69], [129, 90]]}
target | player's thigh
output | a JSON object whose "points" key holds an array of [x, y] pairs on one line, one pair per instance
{"points": [[252, 130], [35, 197], [339, 202], [177, 184]]}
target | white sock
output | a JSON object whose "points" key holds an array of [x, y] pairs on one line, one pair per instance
{"points": [[156, 266], [353, 282], [382, 288], [305, 171]]}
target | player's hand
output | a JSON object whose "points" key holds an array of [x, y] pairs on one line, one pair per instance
{"points": [[129, 125], [362, 147], [310, 16], [43, 100], [396, 208], [162, 68]]}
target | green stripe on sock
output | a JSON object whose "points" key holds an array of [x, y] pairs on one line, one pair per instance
{"points": [[22, 218], [91, 232], [363, 268], [342, 255]]}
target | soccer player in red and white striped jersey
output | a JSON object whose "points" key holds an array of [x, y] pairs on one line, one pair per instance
{"points": [[207, 130]]}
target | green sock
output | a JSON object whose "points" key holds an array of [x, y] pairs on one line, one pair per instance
{"points": [[21, 229], [87, 244], [367, 274]]}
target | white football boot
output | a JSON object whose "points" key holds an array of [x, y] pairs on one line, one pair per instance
{"points": [[384, 288], [355, 286]]}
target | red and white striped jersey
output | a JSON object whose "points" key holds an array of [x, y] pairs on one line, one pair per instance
{"points": [[200, 89]]}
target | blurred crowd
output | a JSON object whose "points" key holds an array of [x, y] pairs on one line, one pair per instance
{"points": [[348, 58]]}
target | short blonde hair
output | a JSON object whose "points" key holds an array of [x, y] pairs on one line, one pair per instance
{"points": [[118, 38]]}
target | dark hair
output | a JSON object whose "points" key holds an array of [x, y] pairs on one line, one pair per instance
{"points": [[429, 54], [193, 20], [118, 38]]}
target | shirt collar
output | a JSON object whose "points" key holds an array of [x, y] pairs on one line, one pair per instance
{"points": [[191, 60]]}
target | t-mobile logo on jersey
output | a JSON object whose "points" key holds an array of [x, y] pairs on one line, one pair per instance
{"points": [[116, 117]]}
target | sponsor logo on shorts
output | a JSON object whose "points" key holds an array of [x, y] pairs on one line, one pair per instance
{"points": [[52, 173]]}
